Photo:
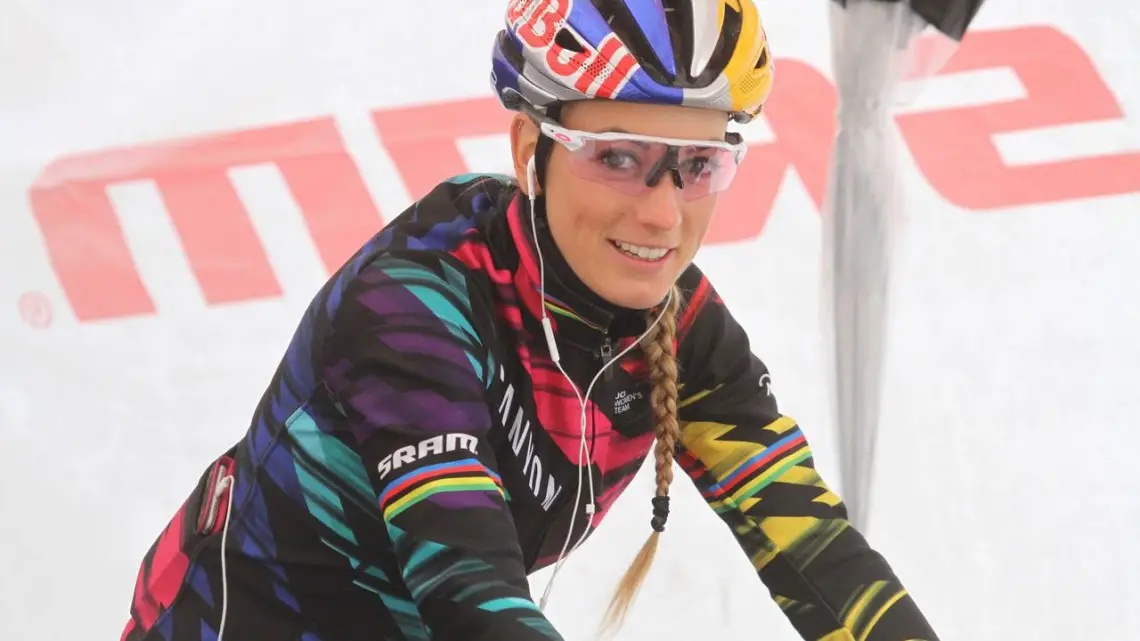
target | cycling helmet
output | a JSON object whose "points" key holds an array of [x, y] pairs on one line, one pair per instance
{"points": [[698, 53]]}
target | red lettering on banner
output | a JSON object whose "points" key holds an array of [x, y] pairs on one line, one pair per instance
{"points": [[422, 139], [801, 115], [90, 255], [955, 148]]}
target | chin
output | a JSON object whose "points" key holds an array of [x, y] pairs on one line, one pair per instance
{"points": [[635, 295]]}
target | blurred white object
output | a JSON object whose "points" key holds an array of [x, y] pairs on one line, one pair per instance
{"points": [[872, 52]]}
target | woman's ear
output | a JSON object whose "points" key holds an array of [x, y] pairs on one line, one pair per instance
{"points": [[524, 140]]}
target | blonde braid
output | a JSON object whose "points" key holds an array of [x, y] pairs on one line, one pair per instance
{"points": [[662, 361]]}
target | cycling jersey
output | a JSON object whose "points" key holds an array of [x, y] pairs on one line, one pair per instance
{"points": [[414, 457]]}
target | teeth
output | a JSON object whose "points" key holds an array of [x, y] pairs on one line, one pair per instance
{"points": [[644, 253]]}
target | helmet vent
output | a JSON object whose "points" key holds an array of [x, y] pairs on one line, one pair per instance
{"points": [[621, 21], [763, 58], [679, 14], [512, 50], [568, 41]]}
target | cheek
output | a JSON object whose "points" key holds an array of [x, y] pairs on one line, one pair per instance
{"points": [[581, 209], [697, 219], [579, 214]]}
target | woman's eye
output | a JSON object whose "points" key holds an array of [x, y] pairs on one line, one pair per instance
{"points": [[699, 166], [617, 160]]}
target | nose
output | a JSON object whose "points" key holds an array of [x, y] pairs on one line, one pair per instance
{"points": [[660, 209]]}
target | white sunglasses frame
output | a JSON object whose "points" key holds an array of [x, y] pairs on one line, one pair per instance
{"points": [[574, 139]]}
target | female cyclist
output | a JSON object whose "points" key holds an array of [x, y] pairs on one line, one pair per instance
{"points": [[465, 398]]}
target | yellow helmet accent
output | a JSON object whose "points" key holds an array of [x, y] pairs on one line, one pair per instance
{"points": [[750, 70]]}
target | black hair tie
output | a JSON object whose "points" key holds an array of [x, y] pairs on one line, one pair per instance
{"points": [[660, 513]]}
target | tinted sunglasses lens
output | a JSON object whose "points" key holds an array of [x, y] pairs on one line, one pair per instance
{"points": [[621, 164], [705, 170], [625, 165]]}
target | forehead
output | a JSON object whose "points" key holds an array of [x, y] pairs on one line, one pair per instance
{"points": [[648, 119]]}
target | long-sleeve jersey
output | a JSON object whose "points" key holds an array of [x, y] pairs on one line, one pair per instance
{"points": [[416, 454]]}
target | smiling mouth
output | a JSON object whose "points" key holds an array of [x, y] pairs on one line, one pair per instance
{"points": [[641, 252]]}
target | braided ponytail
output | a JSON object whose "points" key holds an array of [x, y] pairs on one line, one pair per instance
{"points": [[662, 361]]}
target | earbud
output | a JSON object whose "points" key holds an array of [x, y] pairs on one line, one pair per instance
{"points": [[530, 176]]}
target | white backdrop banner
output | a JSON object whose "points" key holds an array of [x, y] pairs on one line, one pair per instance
{"points": [[177, 180]]}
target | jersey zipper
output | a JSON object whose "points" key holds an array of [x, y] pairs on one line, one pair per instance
{"points": [[606, 353]]}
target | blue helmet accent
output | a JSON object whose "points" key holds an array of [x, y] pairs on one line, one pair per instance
{"points": [[520, 71], [650, 16], [504, 75]]}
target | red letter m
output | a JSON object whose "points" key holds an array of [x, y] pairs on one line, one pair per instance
{"points": [[90, 254]]}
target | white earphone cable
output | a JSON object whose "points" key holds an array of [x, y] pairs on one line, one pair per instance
{"points": [[225, 484], [583, 447]]}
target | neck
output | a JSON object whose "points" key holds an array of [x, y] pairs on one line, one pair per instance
{"points": [[578, 313]]}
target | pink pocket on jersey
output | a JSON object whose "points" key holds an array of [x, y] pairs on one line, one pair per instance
{"points": [[215, 497]]}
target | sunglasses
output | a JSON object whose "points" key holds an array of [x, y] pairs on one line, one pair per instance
{"points": [[634, 164]]}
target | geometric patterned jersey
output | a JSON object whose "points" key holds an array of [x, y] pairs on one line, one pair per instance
{"points": [[416, 454]]}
